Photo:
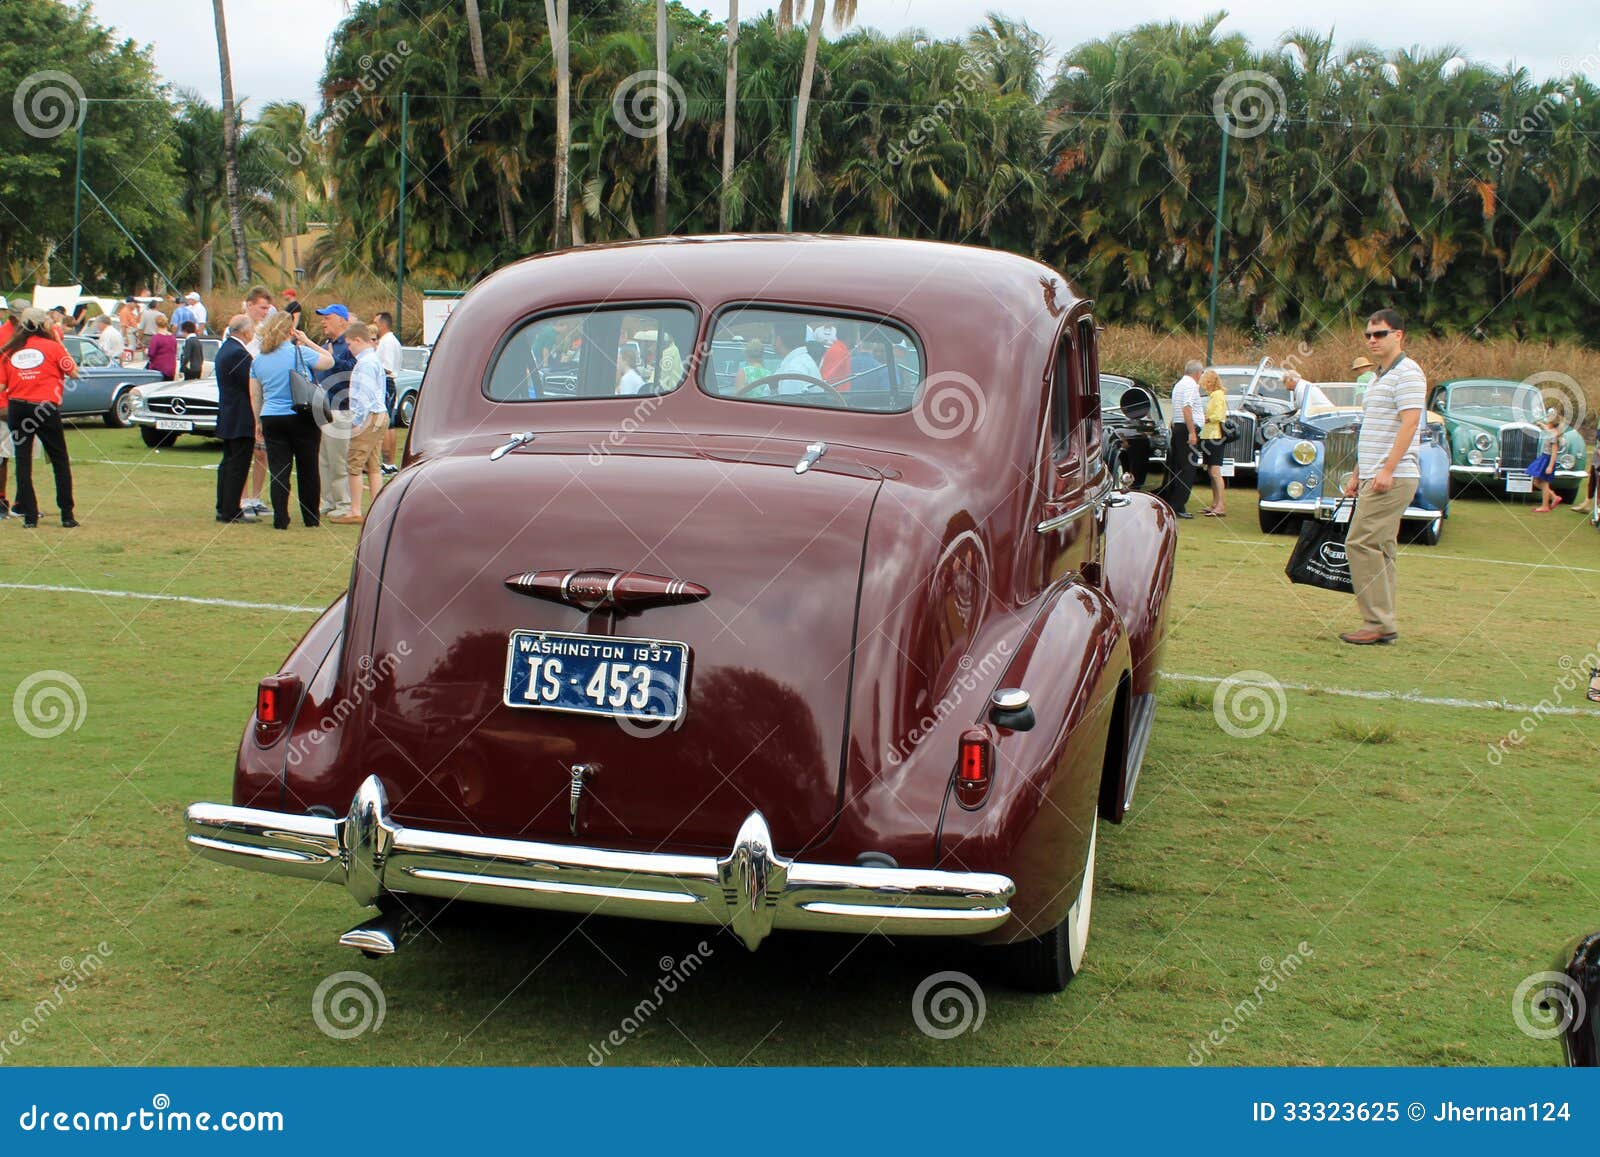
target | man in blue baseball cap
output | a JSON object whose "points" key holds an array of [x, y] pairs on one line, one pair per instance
{"points": [[333, 457]]}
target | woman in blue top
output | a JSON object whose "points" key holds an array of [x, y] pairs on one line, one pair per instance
{"points": [[291, 433]]}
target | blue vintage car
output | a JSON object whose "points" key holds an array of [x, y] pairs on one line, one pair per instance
{"points": [[1296, 474], [101, 390]]}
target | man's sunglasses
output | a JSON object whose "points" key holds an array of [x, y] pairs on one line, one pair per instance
{"points": [[1379, 333]]}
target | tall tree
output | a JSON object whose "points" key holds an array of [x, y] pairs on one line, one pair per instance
{"points": [[844, 12], [230, 149], [729, 119], [555, 12], [666, 109], [480, 68]]}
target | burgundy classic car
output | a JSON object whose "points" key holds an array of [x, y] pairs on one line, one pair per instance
{"points": [[764, 582]]}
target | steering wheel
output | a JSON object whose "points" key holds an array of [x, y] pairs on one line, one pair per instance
{"points": [[789, 377]]}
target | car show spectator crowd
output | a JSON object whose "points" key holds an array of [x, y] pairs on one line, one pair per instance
{"points": [[313, 416]]}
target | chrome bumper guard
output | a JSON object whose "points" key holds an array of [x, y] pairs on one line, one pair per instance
{"points": [[751, 890]]}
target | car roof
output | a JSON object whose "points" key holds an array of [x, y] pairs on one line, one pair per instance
{"points": [[984, 315]]}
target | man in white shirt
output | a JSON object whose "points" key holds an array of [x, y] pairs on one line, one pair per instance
{"points": [[789, 342], [197, 310], [1188, 415], [1386, 476], [111, 343], [629, 380], [368, 418], [389, 357]]}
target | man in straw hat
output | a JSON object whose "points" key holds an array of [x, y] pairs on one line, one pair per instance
{"points": [[1365, 371]]}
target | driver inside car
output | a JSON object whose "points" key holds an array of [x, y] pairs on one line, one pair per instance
{"points": [[789, 342]]}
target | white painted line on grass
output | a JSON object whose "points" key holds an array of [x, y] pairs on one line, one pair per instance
{"points": [[1503, 562], [163, 465], [161, 598], [1399, 697]]}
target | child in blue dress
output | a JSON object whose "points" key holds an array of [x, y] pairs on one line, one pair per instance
{"points": [[1543, 468]]}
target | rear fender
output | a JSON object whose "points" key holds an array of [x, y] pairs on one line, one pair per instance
{"points": [[1035, 824], [1141, 547], [259, 777]]}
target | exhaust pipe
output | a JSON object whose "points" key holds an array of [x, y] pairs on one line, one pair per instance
{"points": [[384, 933]]}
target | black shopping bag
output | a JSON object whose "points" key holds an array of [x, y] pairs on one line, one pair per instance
{"points": [[1319, 558]]}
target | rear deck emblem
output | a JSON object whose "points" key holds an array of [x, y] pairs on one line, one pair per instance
{"points": [[593, 589]]}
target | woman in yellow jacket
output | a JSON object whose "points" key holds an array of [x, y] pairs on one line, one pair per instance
{"points": [[1211, 440]]}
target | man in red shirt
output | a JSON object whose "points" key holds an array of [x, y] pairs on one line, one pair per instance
{"points": [[7, 328], [34, 368]]}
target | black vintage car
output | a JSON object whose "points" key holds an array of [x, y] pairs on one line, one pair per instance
{"points": [[1574, 1001], [1135, 423]]}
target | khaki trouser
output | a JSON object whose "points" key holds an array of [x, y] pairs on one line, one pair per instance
{"points": [[333, 467], [1370, 547]]}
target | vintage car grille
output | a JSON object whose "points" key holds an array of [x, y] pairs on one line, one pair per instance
{"points": [[1519, 445], [182, 407], [1242, 446], [1339, 459]]}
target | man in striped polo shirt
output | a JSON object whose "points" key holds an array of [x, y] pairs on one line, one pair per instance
{"points": [[1386, 476]]}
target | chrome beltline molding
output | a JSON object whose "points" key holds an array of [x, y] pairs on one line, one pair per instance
{"points": [[752, 889]]}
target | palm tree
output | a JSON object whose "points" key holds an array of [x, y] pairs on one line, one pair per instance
{"points": [[844, 11], [555, 12], [730, 99], [230, 148], [480, 67], [664, 113], [283, 132]]}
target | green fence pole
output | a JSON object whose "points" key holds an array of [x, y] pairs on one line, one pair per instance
{"points": [[794, 161], [1216, 247], [132, 240], [77, 197], [400, 249]]}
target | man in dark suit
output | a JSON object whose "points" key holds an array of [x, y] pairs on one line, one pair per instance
{"points": [[237, 424]]}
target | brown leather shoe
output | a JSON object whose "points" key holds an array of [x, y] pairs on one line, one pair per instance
{"points": [[1367, 638], [347, 520]]}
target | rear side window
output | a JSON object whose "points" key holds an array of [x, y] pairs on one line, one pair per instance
{"points": [[603, 352], [812, 358]]}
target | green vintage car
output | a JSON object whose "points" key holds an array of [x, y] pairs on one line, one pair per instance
{"points": [[1493, 431]]}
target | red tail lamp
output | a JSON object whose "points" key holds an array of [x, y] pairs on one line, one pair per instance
{"points": [[277, 696], [974, 767]]}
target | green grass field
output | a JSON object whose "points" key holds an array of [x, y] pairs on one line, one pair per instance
{"points": [[1424, 879]]}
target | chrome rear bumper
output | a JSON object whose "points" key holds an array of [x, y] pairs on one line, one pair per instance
{"points": [[752, 889]]}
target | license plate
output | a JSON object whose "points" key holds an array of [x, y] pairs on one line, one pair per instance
{"points": [[1522, 485], [596, 675], [173, 424], [1227, 469]]}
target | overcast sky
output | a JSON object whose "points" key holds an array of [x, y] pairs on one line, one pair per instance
{"points": [[278, 46]]}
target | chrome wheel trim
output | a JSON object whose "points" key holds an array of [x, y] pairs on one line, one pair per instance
{"points": [[1078, 914], [123, 408]]}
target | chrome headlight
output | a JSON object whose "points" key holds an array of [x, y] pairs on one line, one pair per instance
{"points": [[1271, 430], [1475, 457], [1304, 453], [1566, 461], [1296, 489], [136, 398], [1482, 441]]}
